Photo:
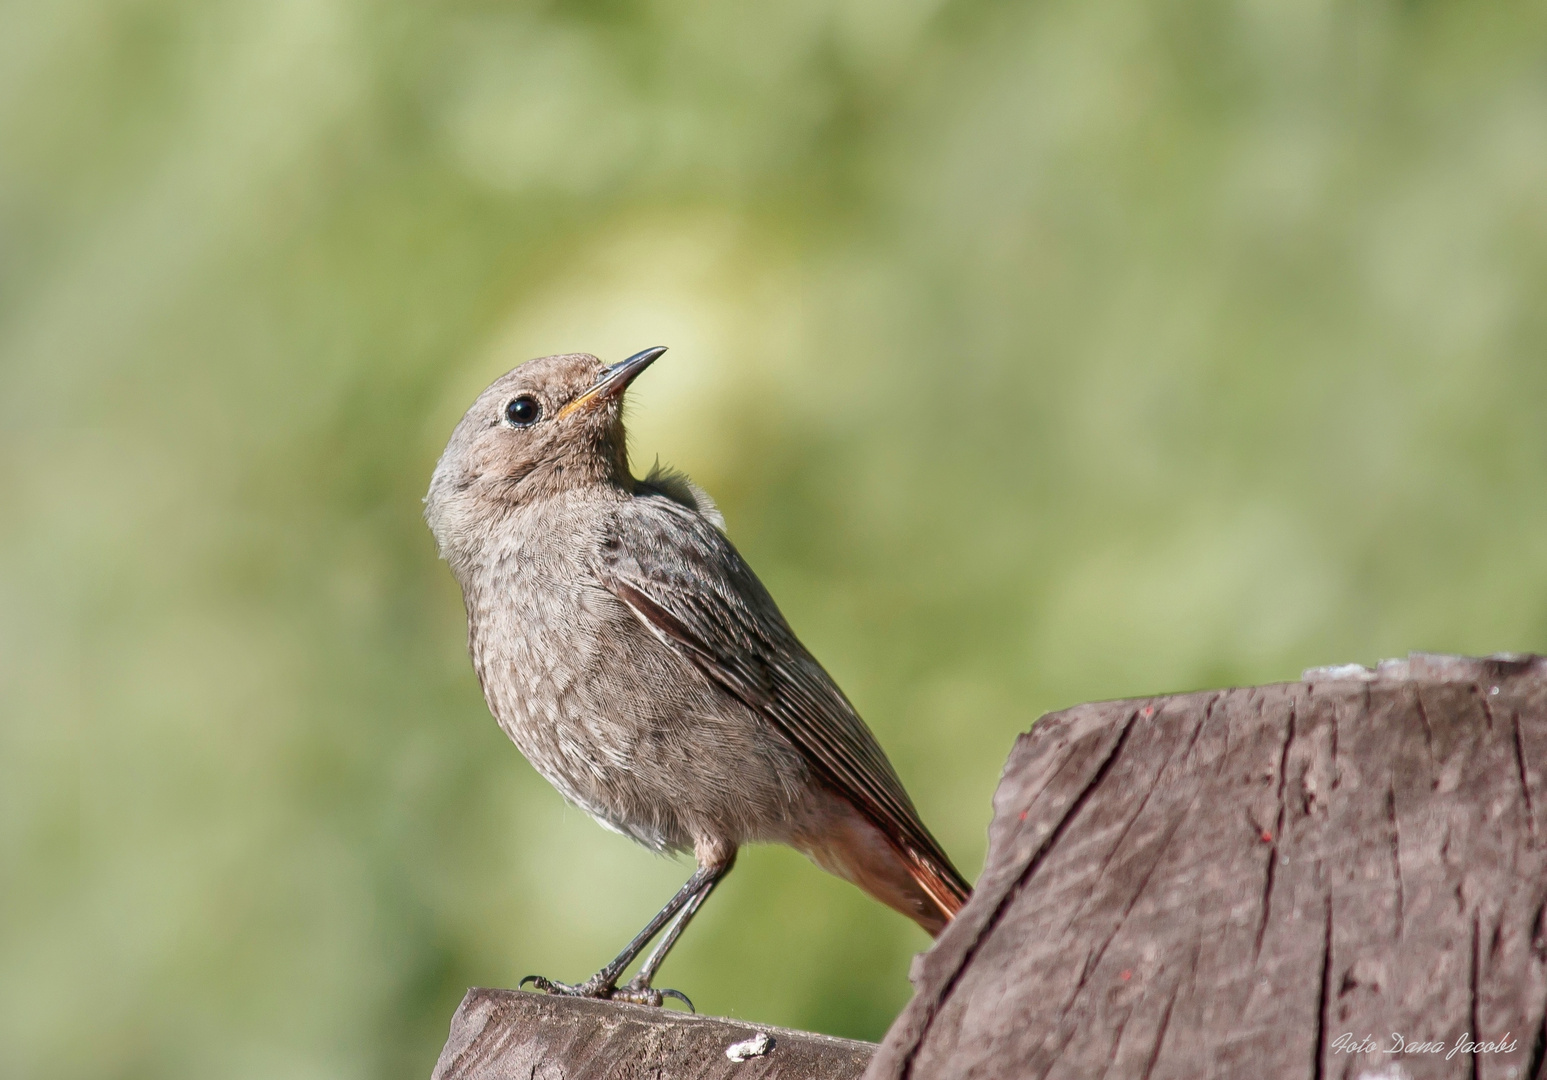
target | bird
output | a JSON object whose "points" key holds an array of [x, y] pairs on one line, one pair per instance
{"points": [[631, 654]]}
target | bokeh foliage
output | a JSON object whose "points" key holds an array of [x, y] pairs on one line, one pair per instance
{"points": [[1036, 353]]}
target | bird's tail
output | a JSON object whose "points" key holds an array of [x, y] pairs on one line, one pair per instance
{"points": [[940, 882], [921, 885]]}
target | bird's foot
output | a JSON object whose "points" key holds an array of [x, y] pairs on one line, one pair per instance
{"points": [[635, 993], [591, 988], [642, 993]]}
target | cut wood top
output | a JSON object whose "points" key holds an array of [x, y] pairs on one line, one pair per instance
{"points": [[1260, 882], [511, 1035]]}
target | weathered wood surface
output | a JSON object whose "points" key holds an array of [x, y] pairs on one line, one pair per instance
{"points": [[1224, 884], [511, 1035]]}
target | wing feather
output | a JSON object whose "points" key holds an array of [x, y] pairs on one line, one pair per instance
{"points": [[685, 581]]}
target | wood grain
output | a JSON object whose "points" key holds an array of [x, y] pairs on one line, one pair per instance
{"points": [[511, 1035], [1227, 883]]}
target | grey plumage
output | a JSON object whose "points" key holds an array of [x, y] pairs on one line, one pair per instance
{"points": [[629, 651]]}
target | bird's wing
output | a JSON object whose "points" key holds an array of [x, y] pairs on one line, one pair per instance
{"points": [[691, 588]]}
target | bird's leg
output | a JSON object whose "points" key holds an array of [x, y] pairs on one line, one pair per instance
{"points": [[638, 990], [605, 982]]}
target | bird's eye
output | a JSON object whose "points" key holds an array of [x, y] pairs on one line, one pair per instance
{"points": [[523, 411]]}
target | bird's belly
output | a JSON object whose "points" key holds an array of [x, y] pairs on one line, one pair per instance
{"points": [[633, 734]]}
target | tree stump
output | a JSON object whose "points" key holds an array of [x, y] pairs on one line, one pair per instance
{"points": [[1342, 877], [510, 1035]]}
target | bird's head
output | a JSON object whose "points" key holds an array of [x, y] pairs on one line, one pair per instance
{"points": [[551, 425]]}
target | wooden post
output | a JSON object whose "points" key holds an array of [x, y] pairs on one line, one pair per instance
{"points": [[510, 1035], [1341, 877]]}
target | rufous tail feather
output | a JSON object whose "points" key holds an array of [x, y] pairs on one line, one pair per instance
{"points": [[942, 887]]}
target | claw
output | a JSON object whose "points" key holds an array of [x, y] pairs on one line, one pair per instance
{"points": [[680, 996]]}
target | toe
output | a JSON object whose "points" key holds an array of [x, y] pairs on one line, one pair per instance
{"points": [[590, 988]]}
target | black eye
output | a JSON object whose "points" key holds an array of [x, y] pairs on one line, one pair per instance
{"points": [[523, 411]]}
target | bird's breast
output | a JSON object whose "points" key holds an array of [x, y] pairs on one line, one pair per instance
{"points": [[620, 722]]}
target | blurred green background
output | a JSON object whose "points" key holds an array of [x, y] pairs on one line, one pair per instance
{"points": [[1036, 353]]}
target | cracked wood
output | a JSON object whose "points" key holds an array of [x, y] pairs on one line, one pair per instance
{"points": [[1223, 884], [512, 1035]]}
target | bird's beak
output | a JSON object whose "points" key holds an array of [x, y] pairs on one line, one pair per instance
{"points": [[613, 381]]}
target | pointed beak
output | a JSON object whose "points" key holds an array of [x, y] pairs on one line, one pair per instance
{"points": [[614, 380]]}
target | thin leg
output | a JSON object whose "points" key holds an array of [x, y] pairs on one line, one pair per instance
{"points": [[639, 989], [605, 981]]}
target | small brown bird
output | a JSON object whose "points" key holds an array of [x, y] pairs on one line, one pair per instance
{"points": [[624, 645]]}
